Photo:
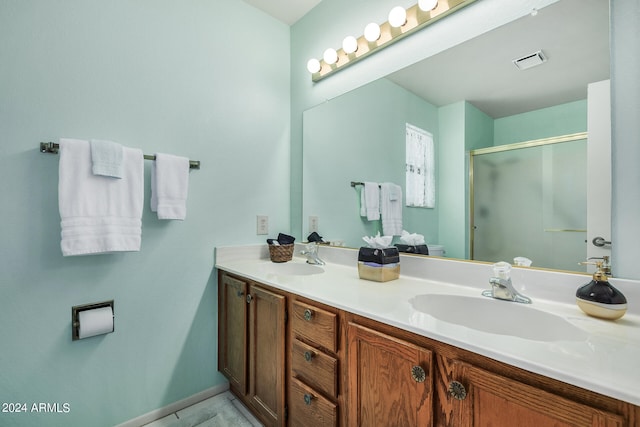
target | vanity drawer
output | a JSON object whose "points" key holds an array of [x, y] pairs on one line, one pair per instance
{"points": [[316, 325], [315, 368], [307, 408]]}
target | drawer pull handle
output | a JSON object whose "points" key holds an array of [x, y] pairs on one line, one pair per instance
{"points": [[308, 355], [308, 315], [308, 398], [418, 374], [249, 298], [457, 390]]}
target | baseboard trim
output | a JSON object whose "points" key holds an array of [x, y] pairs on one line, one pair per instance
{"points": [[156, 414]]}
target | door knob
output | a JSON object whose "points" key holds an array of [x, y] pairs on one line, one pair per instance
{"points": [[457, 390], [308, 398], [600, 242], [308, 315], [418, 374]]}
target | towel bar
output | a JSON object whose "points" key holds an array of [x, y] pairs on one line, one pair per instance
{"points": [[354, 183], [53, 147]]}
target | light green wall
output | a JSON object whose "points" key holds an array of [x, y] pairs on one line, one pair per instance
{"points": [[451, 179], [178, 77], [479, 133], [360, 136], [544, 123]]}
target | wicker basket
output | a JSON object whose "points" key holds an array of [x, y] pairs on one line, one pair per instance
{"points": [[281, 253]]}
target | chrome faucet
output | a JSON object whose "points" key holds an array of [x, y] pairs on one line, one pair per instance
{"points": [[501, 286], [311, 252]]}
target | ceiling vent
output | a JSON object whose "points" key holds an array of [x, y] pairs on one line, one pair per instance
{"points": [[530, 60]]}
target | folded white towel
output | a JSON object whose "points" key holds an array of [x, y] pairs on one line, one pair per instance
{"points": [[391, 209], [370, 201], [106, 157], [99, 214], [170, 186]]}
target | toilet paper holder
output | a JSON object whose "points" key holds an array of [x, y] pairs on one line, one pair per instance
{"points": [[75, 316]]}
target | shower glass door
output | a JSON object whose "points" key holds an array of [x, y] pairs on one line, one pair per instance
{"points": [[530, 200]]}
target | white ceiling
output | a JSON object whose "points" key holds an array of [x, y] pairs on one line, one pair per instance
{"points": [[287, 11], [573, 34]]}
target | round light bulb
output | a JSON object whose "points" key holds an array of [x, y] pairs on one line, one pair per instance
{"points": [[372, 32], [330, 56], [397, 17], [349, 44], [427, 5], [313, 66]]}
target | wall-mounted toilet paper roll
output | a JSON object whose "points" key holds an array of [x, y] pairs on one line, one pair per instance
{"points": [[95, 322]]}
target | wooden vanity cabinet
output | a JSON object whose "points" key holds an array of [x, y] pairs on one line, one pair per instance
{"points": [[329, 367], [251, 347]]}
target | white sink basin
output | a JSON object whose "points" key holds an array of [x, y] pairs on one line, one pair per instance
{"points": [[293, 269], [498, 317]]}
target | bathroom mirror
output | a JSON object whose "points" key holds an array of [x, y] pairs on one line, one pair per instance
{"points": [[473, 90]]}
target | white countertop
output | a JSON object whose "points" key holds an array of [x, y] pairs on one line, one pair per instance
{"points": [[605, 360]]}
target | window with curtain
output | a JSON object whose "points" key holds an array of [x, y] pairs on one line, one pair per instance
{"points": [[420, 168]]}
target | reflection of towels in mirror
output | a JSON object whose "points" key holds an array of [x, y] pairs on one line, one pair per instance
{"points": [[370, 201], [391, 209]]}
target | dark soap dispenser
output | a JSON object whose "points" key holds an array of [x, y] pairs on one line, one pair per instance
{"points": [[599, 298]]}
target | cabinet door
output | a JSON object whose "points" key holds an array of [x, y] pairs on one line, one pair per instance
{"points": [[232, 331], [267, 354], [487, 399], [390, 380]]}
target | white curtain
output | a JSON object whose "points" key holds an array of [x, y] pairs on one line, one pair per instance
{"points": [[420, 168]]}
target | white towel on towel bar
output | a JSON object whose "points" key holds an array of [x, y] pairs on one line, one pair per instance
{"points": [[370, 201], [106, 157], [391, 209], [169, 186], [99, 214]]}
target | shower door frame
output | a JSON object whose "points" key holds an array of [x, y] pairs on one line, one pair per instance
{"points": [[509, 147]]}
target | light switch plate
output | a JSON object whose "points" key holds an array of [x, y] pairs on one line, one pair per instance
{"points": [[262, 224], [313, 224]]}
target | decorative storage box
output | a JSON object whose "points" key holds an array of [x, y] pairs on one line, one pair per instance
{"points": [[379, 265], [413, 249]]}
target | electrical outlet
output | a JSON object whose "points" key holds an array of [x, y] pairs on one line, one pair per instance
{"points": [[313, 224], [262, 224]]}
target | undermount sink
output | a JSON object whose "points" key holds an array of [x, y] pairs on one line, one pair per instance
{"points": [[293, 269], [497, 317]]}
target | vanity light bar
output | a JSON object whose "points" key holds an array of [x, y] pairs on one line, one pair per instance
{"points": [[377, 37]]}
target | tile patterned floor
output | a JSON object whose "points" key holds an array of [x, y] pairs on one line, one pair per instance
{"points": [[221, 410]]}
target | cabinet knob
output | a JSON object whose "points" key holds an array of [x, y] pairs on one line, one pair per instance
{"points": [[457, 390], [240, 293], [308, 398], [308, 355], [249, 298], [418, 374], [308, 315]]}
